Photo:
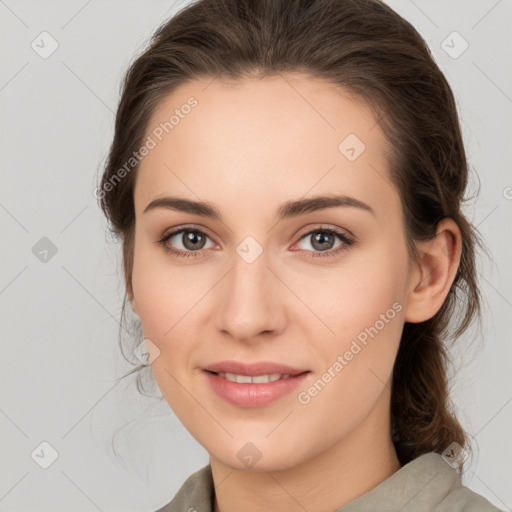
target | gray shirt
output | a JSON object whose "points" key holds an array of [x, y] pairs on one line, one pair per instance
{"points": [[425, 484]]}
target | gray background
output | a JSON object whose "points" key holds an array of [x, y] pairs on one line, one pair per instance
{"points": [[60, 317]]}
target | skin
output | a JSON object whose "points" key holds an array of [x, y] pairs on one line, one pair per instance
{"points": [[249, 146]]}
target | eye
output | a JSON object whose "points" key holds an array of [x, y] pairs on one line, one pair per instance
{"points": [[191, 239], [322, 240]]}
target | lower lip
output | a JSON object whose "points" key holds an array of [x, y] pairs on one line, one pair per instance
{"points": [[253, 395]]}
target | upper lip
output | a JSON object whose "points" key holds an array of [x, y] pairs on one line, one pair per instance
{"points": [[253, 369]]}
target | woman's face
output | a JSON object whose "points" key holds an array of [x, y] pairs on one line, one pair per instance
{"points": [[261, 284]]}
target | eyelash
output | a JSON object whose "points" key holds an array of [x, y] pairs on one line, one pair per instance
{"points": [[347, 242]]}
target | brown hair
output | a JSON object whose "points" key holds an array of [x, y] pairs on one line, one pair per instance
{"points": [[368, 49]]}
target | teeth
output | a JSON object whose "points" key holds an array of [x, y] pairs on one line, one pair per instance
{"points": [[248, 379]]}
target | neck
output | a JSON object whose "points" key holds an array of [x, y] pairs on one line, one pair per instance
{"points": [[359, 462]]}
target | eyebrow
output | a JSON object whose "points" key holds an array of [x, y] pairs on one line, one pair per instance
{"points": [[287, 210]]}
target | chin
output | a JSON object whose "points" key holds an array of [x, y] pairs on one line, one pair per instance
{"points": [[248, 457]]}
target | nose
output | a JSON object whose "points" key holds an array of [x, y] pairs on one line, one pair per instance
{"points": [[250, 301]]}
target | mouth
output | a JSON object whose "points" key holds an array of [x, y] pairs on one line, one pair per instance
{"points": [[253, 385]]}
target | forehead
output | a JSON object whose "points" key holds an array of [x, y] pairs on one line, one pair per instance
{"points": [[270, 139]]}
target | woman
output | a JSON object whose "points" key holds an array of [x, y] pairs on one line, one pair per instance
{"points": [[287, 178]]}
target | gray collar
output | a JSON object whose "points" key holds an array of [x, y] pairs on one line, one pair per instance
{"points": [[425, 484]]}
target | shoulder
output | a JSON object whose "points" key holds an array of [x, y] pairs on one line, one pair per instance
{"points": [[424, 484], [458, 497], [452, 495], [195, 495]]}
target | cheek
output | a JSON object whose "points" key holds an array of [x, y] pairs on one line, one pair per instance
{"points": [[364, 308], [163, 292], [357, 361], [354, 296], [152, 293], [165, 300]]}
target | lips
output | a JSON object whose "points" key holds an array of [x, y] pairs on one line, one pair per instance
{"points": [[255, 384]]}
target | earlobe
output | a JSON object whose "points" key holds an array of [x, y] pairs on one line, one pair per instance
{"points": [[434, 273]]}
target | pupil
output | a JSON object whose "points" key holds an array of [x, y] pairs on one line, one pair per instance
{"points": [[191, 239], [320, 239]]}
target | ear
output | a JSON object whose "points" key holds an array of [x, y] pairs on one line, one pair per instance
{"points": [[432, 276]]}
